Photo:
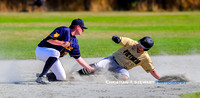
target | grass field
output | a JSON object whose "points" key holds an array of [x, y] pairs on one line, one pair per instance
{"points": [[191, 95], [175, 33]]}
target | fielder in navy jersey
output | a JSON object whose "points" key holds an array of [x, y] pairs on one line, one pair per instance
{"points": [[58, 44]]}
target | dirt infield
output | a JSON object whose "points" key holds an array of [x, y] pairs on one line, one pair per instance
{"points": [[18, 80]]}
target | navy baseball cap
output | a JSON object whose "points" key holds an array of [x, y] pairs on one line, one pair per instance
{"points": [[79, 22]]}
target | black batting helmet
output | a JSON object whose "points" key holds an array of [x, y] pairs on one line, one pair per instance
{"points": [[146, 43]]}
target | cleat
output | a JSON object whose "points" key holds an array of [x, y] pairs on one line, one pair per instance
{"points": [[42, 80], [37, 74], [51, 76]]}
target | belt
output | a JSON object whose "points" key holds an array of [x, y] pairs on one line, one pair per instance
{"points": [[115, 60]]}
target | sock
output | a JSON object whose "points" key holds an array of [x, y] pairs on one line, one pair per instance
{"points": [[50, 61]]}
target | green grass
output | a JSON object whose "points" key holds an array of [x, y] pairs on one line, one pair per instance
{"points": [[191, 95], [175, 33]]}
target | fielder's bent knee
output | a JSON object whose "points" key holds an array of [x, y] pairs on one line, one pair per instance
{"points": [[61, 78]]}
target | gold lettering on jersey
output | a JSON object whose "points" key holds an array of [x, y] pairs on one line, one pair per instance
{"points": [[56, 34], [131, 57], [65, 53], [69, 48]]}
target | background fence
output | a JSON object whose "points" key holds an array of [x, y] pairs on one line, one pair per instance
{"points": [[100, 5]]}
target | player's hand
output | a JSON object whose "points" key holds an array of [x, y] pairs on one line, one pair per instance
{"points": [[66, 44], [91, 69], [116, 39]]}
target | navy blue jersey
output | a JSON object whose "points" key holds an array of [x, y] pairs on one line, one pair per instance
{"points": [[63, 34]]}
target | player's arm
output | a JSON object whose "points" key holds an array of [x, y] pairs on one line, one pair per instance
{"points": [[56, 34], [155, 74], [148, 67], [124, 41], [58, 43], [82, 62]]}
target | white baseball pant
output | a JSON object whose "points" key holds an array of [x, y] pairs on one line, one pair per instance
{"points": [[43, 53]]}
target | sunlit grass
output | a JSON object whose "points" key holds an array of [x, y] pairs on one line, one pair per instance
{"points": [[191, 95], [174, 33]]}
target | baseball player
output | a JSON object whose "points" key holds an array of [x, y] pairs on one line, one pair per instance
{"points": [[59, 43], [132, 54]]}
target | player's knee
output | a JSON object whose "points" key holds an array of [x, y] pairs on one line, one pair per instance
{"points": [[123, 77], [61, 78]]}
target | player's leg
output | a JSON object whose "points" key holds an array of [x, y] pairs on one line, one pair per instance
{"points": [[43, 53], [98, 66], [50, 61], [121, 74], [58, 71], [49, 56]]}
